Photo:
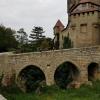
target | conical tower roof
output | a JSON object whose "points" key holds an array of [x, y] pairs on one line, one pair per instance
{"points": [[59, 24]]}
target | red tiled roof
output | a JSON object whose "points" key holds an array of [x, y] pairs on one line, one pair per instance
{"points": [[59, 23], [84, 1], [87, 10]]}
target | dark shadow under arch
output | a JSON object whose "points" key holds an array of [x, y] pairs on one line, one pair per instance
{"points": [[65, 74], [93, 71], [30, 78]]}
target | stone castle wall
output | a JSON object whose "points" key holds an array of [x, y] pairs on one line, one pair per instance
{"points": [[84, 24], [89, 37]]}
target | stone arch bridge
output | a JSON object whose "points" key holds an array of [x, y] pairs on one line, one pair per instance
{"points": [[48, 61]]}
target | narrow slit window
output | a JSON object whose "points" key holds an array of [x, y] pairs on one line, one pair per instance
{"points": [[83, 28]]}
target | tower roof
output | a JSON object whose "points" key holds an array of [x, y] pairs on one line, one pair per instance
{"points": [[90, 9], [59, 24], [87, 10], [85, 1]]}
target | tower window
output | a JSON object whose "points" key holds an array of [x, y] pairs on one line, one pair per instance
{"points": [[93, 12], [83, 13], [62, 37], [83, 5], [78, 14], [83, 28], [92, 5], [74, 15], [88, 13]]}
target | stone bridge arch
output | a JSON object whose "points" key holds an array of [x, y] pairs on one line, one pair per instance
{"points": [[93, 70], [57, 64], [22, 66], [66, 71], [30, 73]]}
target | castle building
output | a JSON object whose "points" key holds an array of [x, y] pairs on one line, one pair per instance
{"points": [[58, 28], [83, 27]]}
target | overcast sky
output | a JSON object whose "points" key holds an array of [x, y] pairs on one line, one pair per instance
{"points": [[29, 13]]}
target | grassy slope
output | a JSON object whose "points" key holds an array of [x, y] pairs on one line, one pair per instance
{"points": [[54, 93]]}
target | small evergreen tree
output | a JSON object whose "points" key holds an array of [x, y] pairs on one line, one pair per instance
{"points": [[67, 42], [37, 37], [56, 44], [37, 33]]}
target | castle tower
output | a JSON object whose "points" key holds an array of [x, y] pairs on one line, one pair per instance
{"points": [[57, 31], [71, 4], [58, 27], [84, 24]]}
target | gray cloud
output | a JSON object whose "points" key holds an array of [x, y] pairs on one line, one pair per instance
{"points": [[27, 13]]}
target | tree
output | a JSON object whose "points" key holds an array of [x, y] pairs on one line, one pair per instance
{"points": [[67, 42], [37, 33], [7, 39], [46, 44], [22, 38], [37, 37]]}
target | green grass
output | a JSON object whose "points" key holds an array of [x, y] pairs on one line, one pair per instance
{"points": [[54, 93]]}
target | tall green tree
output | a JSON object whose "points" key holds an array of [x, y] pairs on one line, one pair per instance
{"points": [[7, 39], [37, 33], [67, 42], [22, 38], [57, 43], [37, 37]]}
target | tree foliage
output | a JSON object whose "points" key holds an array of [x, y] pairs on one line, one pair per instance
{"points": [[56, 45], [7, 39], [22, 36], [37, 33], [39, 41], [46, 44], [20, 42], [67, 42]]}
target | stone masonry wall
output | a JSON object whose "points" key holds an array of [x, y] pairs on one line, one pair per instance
{"points": [[49, 61]]}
